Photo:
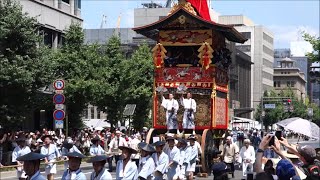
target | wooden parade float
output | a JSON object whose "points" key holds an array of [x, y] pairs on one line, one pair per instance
{"points": [[191, 54]]}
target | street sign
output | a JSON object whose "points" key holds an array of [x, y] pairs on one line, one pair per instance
{"points": [[58, 91], [58, 98], [58, 115], [285, 108], [263, 113], [129, 110], [58, 84], [59, 124], [59, 106], [291, 108], [270, 106]]}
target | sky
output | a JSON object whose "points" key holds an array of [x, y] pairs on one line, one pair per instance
{"points": [[283, 17]]}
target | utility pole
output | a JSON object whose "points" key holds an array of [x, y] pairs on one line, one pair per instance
{"points": [[262, 113]]}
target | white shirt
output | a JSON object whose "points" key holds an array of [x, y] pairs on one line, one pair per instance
{"points": [[247, 154], [96, 150], [189, 104], [103, 175], [116, 142], [17, 152], [146, 167], [169, 103], [129, 172]]}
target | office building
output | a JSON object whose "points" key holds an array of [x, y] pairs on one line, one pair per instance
{"points": [[259, 47], [289, 77], [54, 16]]}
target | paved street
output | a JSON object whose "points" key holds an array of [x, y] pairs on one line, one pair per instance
{"points": [[86, 169]]}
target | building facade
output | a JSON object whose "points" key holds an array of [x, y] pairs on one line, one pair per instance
{"points": [[54, 16], [288, 76], [259, 47]]}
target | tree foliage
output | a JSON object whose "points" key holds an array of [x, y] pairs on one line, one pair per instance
{"points": [[274, 115], [95, 74], [315, 42], [24, 65]]}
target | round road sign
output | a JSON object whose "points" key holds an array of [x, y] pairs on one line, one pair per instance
{"points": [[58, 84], [58, 114], [58, 98]]}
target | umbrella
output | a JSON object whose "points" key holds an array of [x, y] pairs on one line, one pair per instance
{"points": [[285, 122], [302, 126]]}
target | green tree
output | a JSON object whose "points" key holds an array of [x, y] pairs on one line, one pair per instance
{"points": [[274, 115], [86, 72], [315, 42], [24, 65], [140, 77]]}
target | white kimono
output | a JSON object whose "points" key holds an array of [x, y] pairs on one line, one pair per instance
{"points": [[17, 152], [190, 107], [172, 108], [96, 150], [130, 172], [146, 167], [64, 152], [193, 156], [184, 161], [103, 175], [161, 164], [247, 154], [174, 156], [52, 153]]}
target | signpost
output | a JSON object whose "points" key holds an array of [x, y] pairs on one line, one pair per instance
{"points": [[269, 106], [59, 99]]}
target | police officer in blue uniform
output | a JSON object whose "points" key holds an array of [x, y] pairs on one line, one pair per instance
{"points": [[74, 171], [31, 165]]}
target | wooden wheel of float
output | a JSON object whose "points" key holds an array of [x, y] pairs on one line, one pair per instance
{"points": [[206, 146], [151, 133]]}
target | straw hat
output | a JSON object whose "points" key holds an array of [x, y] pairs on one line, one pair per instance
{"points": [[290, 155]]}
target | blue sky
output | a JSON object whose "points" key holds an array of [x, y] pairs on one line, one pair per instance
{"points": [[283, 18]]}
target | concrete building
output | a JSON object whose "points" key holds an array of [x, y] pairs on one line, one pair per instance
{"points": [[259, 47], [54, 16], [288, 76]]}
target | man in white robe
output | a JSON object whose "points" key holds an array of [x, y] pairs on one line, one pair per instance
{"points": [[52, 154], [171, 105], [126, 168], [193, 157], [190, 107], [184, 157], [18, 151], [100, 172], [161, 160], [174, 156], [247, 157], [146, 163]]}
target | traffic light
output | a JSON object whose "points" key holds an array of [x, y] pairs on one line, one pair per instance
{"points": [[289, 101]]}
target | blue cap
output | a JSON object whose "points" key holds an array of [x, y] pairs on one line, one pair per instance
{"points": [[31, 157], [285, 169]]}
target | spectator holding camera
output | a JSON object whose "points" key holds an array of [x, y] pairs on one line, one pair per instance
{"points": [[307, 154]]}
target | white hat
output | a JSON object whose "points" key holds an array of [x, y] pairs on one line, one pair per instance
{"points": [[118, 132], [229, 138]]}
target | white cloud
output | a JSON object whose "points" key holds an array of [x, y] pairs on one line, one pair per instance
{"points": [[283, 35]]}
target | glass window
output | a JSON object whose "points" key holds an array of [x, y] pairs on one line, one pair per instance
{"points": [[79, 4], [293, 83], [288, 83], [278, 83], [66, 1], [275, 84]]}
